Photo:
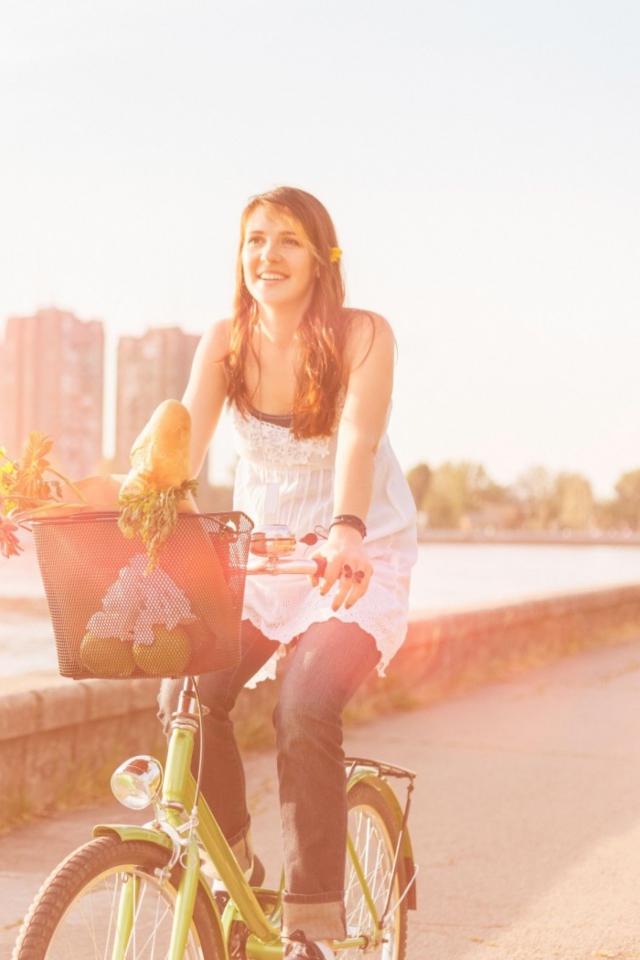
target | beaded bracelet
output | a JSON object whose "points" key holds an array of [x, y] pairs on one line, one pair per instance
{"points": [[350, 521]]}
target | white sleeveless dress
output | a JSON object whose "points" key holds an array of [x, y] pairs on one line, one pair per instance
{"points": [[285, 607]]}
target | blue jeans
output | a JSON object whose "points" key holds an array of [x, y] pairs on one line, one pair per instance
{"points": [[325, 668]]}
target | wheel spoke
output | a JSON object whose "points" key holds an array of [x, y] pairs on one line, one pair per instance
{"points": [[373, 836], [106, 901]]}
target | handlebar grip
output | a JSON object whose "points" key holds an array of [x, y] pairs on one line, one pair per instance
{"points": [[321, 564]]}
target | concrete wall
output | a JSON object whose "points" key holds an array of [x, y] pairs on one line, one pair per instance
{"points": [[60, 740]]}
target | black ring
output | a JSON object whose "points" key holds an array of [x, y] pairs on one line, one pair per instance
{"points": [[346, 571]]}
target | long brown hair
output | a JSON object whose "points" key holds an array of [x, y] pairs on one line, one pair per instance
{"points": [[322, 333]]}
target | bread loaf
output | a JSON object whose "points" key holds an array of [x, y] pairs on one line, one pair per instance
{"points": [[161, 456], [158, 487]]}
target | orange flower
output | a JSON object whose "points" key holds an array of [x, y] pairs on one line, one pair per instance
{"points": [[334, 254], [24, 489], [31, 468], [9, 545]]}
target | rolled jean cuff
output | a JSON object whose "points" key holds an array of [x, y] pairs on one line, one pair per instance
{"points": [[319, 920]]}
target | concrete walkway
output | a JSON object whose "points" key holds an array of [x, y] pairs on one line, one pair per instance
{"points": [[526, 819]]}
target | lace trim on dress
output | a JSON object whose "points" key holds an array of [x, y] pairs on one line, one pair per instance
{"points": [[388, 645], [380, 613], [276, 444]]}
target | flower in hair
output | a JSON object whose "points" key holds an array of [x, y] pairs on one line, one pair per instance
{"points": [[334, 254]]}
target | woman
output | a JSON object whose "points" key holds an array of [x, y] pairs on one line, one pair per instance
{"points": [[308, 383]]}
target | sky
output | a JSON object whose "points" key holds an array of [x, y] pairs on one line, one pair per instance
{"points": [[481, 161]]}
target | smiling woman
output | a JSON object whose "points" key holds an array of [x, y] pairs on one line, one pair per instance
{"points": [[287, 263], [309, 385], [277, 265]]}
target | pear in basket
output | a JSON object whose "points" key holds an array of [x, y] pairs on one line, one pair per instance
{"points": [[107, 657], [168, 655]]}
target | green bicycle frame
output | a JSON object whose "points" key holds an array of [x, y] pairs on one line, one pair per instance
{"points": [[172, 813], [173, 830]]}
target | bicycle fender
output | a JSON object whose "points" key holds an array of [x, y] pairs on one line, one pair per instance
{"points": [[127, 831], [362, 775]]}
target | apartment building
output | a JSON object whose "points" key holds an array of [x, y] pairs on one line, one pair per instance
{"points": [[151, 368], [52, 379]]}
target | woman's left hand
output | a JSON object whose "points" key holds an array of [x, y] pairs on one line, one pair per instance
{"points": [[348, 565]]}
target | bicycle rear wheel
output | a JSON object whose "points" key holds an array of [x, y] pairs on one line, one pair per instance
{"points": [[374, 836], [75, 914]]}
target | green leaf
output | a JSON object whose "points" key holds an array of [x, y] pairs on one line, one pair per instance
{"points": [[152, 516]]}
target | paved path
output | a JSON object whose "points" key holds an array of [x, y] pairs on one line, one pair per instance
{"points": [[526, 820]]}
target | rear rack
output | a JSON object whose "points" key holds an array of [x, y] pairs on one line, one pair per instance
{"points": [[380, 768]]}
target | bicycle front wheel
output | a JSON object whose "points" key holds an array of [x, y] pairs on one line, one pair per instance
{"points": [[373, 839], [78, 912]]}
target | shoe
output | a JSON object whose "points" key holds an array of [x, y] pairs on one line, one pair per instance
{"points": [[254, 876], [257, 872], [299, 948]]}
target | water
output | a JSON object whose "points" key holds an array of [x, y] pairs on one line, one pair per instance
{"points": [[447, 576], [19, 576], [459, 575]]}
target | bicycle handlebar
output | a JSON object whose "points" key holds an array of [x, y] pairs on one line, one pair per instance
{"points": [[275, 566], [271, 549]]}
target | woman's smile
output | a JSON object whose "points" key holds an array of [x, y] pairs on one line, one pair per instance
{"points": [[269, 276], [279, 270]]}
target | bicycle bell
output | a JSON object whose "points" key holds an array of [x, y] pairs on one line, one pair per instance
{"points": [[272, 540]]}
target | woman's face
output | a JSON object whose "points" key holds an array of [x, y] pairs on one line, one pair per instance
{"points": [[279, 270]]}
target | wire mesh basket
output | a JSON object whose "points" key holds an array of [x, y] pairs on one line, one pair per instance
{"points": [[113, 619]]}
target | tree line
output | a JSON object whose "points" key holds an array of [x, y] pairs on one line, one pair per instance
{"points": [[463, 496]]}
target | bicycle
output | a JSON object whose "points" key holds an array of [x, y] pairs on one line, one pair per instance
{"points": [[138, 892]]}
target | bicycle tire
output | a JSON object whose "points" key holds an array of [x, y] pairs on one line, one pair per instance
{"points": [[73, 914], [374, 833]]}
